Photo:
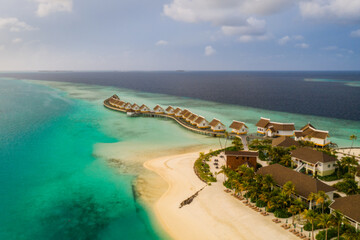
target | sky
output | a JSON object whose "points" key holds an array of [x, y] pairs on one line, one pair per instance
{"points": [[126, 35]]}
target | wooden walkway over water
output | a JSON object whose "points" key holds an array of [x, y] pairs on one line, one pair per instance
{"points": [[184, 124]]}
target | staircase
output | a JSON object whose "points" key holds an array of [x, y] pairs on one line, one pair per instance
{"points": [[300, 167]]}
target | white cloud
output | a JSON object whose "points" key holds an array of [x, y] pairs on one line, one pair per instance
{"points": [[46, 7], [355, 33], [298, 37], [330, 48], [14, 25], [331, 9], [17, 40], [209, 50], [302, 45], [284, 40], [234, 17], [161, 43]]}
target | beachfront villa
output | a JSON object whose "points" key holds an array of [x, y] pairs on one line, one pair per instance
{"points": [[304, 184], [128, 106], [217, 126], [169, 110], [177, 112], [314, 162], [201, 122], [311, 134], [144, 109], [135, 107], [239, 127], [284, 142], [274, 129], [158, 109], [349, 207], [235, 159]]}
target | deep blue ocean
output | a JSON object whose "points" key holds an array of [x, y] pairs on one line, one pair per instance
{"points": [[327, 94]]}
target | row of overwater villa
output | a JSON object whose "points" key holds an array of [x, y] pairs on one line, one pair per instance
{"points": [[184, 116]]}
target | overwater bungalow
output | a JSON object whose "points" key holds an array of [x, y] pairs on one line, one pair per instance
{"points": [[217, 126], [135, 107], [144, 109], [201, 122], [311, 134], [273, 129], [183, 112], [193, 118], [314, 162], [177, 112], [349, 207], [186, 115], [235, 159], [239, 128], [304, 184], [158, 109], [170, 110], [121, 104], [115, 97], [190, 116], [128, 106]]}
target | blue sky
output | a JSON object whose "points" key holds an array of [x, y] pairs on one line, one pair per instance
{"points": [[179, 34]]}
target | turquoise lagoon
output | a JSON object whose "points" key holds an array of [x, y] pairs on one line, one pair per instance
{"points": [[69, 166]]}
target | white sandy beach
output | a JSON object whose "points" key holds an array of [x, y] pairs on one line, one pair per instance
{"points": [[213, 214]]}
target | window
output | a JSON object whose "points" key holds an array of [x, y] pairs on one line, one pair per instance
{"points": [[329, 166]]}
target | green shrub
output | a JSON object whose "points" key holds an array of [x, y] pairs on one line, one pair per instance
{"points": [[332, 232], [282, 213], [260, 203], [307, 226], [253, 200]]}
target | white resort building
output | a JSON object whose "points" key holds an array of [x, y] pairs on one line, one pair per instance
{"points": [[186, 115], [349, 207], [274, 129], [170, 110], [311, 134], [201, 122], [158, 109], [144, 109], [239, 127], [217, 126], [314, 162]]}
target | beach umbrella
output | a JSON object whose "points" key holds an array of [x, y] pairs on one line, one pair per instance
{"points": [[286, 221], [301, 229]]}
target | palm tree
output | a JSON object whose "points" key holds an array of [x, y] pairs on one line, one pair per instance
{"points": [[299, 204], [289, 189], [325, 220], [293, 209], [312, 197], [226, 135], [285, 160], [311, 216], [353, 138], [321, 198], [237, 143], [350, 162], [268, 182], [350, 235], [337, 220]]}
